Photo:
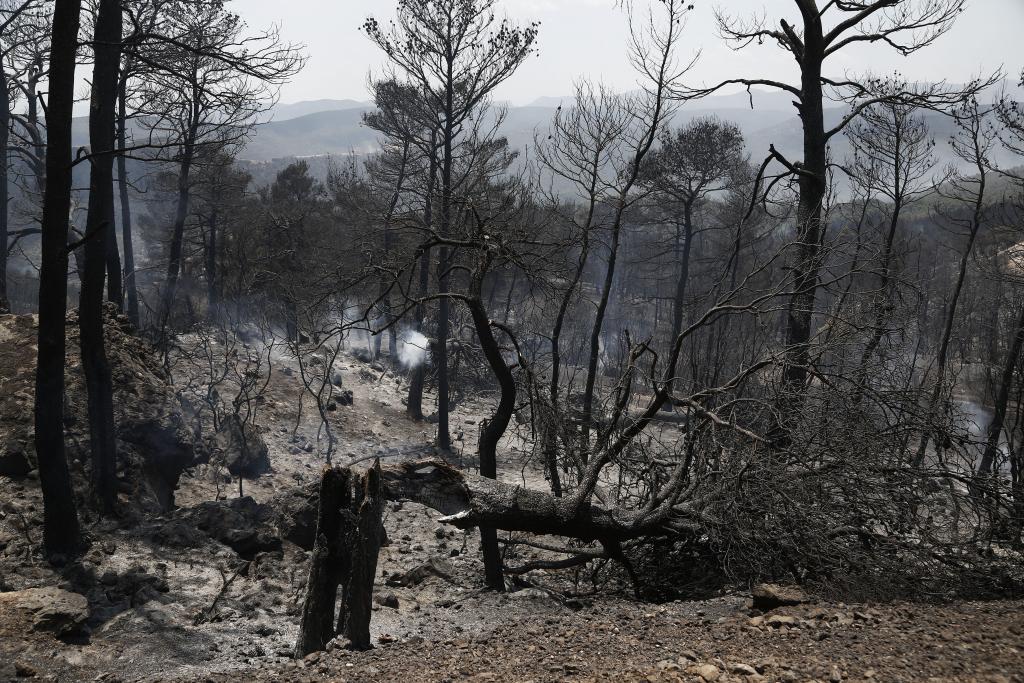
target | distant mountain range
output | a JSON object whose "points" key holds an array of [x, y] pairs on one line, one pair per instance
{"points": [[335, 127], [328, 127]]}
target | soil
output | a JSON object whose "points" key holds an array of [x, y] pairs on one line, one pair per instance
{"points": [[211, 590]]}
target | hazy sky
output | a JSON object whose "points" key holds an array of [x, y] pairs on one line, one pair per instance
{"points": [[588, 38]]}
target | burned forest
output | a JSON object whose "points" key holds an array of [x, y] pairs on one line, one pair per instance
{"points": [[595, 340]]}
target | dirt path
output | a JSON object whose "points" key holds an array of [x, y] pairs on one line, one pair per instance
{"points": [[702, 641]]}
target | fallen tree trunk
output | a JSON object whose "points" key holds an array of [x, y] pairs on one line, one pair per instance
{"points": [[469, 501]]}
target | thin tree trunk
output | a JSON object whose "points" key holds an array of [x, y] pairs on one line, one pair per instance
{"points": [[99, 225], [129, 284], [995, 428], [5, 130], [947, 329], [444, 439], [212, 282], [178, 230], [493, 430], [414, 406], [61, 533]]}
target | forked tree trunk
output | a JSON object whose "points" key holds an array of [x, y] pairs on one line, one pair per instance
{"points": [[327, 565], [61, 532], [349, 535]]}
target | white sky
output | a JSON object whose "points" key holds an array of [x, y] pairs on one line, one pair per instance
{"points": [[588, 38]]}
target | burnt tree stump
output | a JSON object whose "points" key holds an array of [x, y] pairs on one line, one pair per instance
{"points": [[348, 539], [365, 534]]}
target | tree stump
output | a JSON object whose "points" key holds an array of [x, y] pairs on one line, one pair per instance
{"points": [[348, 539], [364, 540]]}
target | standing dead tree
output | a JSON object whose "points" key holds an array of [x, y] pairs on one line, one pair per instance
{"points": [[814, 40], [61, 531], [453, 53], [209, 82]]}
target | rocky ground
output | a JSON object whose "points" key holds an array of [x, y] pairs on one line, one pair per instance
{"points": [[209, 587]]}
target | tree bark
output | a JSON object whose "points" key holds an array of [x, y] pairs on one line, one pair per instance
{"points": [[61, 533], [99, 226]]}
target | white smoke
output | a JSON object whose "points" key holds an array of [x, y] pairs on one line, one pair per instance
{"points": [[414, 350]]}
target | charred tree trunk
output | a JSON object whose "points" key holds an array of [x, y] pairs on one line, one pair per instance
{"points": [[327, 565], [444, 439], [470, 501], [813, 185], [492, 432], [414, 406], [129, 285], [61, 532], [951, 308], [99, 226], [363, 544], [212, 283], [684, 270], [350, 532], [5, 130], [178, 230]]}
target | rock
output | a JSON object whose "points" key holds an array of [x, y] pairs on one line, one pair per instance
{"points": [[242, 524], [344, 397], [742, 669], [14, 461], [48, 610], [768, 596], [530, 594], [243, 449], [295, 514], [388, 599], [24, 670], [778, 621], [336, 379], [708, 672]]}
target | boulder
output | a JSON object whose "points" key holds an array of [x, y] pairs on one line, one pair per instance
{"points": [[295, 514], [768, 596], [14, 461], [243, 450], [47, 610], [242, 524]]}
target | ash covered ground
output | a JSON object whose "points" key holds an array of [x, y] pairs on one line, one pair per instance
{"points": [[193, 582]]}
